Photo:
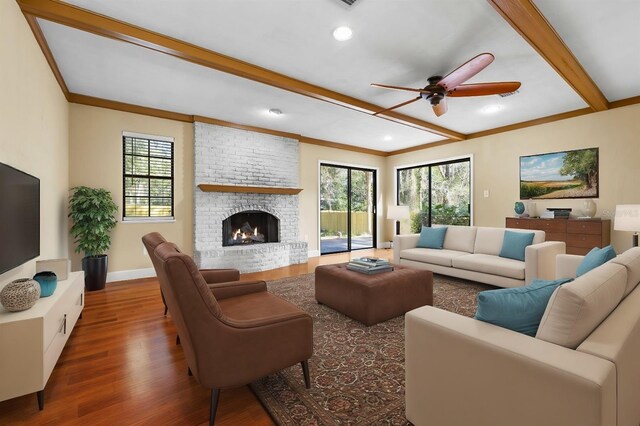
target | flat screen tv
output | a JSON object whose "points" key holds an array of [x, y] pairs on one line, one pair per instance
{"points": [[565, 174], [19, 217]]}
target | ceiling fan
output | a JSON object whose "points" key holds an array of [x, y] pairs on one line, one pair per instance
{"points": [[439, 88]]}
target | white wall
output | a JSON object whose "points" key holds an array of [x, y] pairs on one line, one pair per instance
{"points": [[615, 132]]}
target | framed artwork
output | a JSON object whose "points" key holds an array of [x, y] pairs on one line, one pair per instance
{"points": [[565, 174]]}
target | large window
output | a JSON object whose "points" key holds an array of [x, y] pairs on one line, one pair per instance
{"points": [[347, 208], [147, 177], [438, 193]]}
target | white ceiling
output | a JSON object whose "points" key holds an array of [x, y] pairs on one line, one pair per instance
{"points": [[398, 43]]}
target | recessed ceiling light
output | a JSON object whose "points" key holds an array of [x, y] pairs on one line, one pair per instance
{"points": [[387, 138], [491, 109], [275, 112], [342, 33]]}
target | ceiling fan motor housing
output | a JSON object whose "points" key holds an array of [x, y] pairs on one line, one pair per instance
{"points": [[436, 92]]}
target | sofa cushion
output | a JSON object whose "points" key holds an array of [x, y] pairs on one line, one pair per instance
{"points": [[460, 238], [514, 244], [596, 257], [630, 259], [436, 257], [491, 265], [489, 241], [577, 308], [432, 238], [519, 309]]}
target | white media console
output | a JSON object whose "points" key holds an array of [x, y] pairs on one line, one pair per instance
{"points": [[31, 341]]}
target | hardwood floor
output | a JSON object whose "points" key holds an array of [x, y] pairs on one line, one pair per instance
{"points": [[121, 365]]}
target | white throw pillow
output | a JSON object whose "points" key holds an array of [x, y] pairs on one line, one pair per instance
{"points": [[578, 307]]}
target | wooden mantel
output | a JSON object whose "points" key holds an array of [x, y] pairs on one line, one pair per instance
{"points": [[205, 187]]}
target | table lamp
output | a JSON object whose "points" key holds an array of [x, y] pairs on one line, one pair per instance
{"points": [[397, 213], [628, 219]]}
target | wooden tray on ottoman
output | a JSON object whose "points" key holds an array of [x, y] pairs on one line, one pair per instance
{"points": [[372, 299]]}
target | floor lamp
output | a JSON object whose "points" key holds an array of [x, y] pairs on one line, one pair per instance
{"points": [[397, 213], [628, 219]]}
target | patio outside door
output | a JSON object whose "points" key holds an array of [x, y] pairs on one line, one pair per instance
{"points": [[347, 208]]}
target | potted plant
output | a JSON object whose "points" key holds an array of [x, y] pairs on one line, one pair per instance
{"points": [[93, 214]]}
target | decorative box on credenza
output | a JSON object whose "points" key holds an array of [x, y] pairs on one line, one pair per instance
{"points": [[31, 341], [580, 235]]}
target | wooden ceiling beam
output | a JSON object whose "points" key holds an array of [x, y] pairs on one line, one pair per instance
{"points": [[75, 17], [531, 24]]}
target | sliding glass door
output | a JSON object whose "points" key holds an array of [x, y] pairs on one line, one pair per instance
{"points": [[437, 193], [347, 208]]}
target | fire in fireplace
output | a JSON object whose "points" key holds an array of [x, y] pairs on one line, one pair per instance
{"points": [[250, 227]]}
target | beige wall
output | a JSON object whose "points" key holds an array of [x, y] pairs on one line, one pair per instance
{"points": [[34, 119], [496, 164], [95, 160], [310, 157]]}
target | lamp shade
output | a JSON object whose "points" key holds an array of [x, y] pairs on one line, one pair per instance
{"points": [[627, 217], [397, 212]]}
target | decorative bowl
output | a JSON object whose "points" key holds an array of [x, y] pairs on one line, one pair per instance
{"points": [[20, 294]]}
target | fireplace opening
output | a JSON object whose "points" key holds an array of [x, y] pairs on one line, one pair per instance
{"points": [[250, 227]]}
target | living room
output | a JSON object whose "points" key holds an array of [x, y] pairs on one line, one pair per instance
{"points": [[65, 112]]}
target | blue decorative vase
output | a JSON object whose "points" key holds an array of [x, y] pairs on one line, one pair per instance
{"points": [[48, 282], [519, 208]]}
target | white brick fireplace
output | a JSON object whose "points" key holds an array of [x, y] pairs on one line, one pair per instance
{"points": [[228, 156]]}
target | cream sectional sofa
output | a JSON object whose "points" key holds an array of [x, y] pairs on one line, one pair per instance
{"points": [[582, 368], [471, 252]]}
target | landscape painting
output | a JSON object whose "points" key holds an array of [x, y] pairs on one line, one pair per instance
{"points": [[566, 174]]}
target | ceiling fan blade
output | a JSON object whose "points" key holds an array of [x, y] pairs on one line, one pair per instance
{"points": [[441, 108], [483, 89], [384, 86], [398, 106], [465, 71]]}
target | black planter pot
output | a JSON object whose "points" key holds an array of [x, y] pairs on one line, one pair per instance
{"points": [[95, 272]]}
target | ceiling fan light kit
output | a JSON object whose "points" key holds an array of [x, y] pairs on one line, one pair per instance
{"points": [[451, 85]]}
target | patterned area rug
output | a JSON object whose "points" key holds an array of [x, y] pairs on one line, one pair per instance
{"points": [[357, 372]]}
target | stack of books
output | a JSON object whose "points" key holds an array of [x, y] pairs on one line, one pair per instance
{"points": [[556, 213], [369, 265]]}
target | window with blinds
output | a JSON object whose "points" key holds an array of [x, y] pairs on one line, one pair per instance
{"points": [[147, 177]]}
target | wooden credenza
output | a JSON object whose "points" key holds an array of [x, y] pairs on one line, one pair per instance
{"points": [[31, 341], [580, 235]]}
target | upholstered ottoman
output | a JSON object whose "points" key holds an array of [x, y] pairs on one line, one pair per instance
{"points": [[371, 299]]}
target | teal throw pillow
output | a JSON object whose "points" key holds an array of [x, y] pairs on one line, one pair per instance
{"points": [[432, 237], [514, 244], [593, 259], [519, 309]]}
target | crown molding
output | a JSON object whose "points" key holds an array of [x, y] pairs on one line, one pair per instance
{"points": [[329, 144], [135, 109]]}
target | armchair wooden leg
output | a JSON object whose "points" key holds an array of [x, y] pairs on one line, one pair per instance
{"points": [[164, 302], [177, 339], [305, 371], [40, 397], [215, 395], [189, 371]]}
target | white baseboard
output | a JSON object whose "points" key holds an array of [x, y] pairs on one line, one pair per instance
{"points": [[131, 274], [384, 244], [314, 253]]}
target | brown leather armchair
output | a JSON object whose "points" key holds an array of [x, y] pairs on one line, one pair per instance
{"points": [[211, 276], [232, 333]]}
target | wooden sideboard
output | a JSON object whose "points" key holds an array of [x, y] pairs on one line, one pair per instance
{"points": [[580, 235]]}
